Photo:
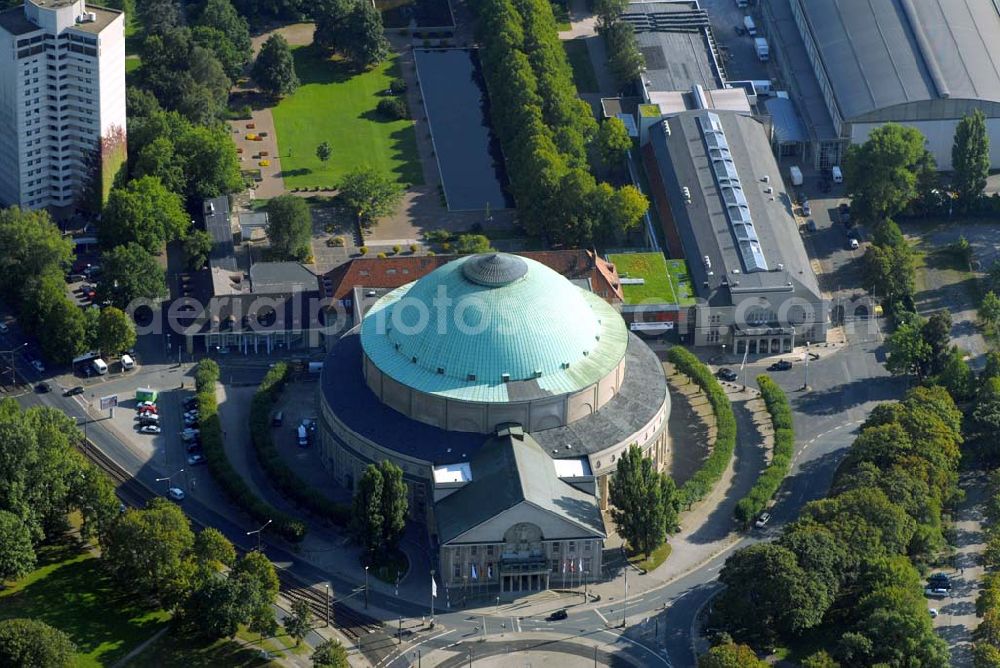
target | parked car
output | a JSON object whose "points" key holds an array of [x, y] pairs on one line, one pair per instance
{"points": [[190, 403], [196, 459], [73, 391], [811, 225], [940, 580], [933, 612], [150, 429], [175, 494], [806, 209], [762, 520], [141, 404], [42, 388], [844, 210], [935, 592], [147, 409], [152, 417], [853, 244], [781, 365], [726, 373], [558, 615], [194, 446]]}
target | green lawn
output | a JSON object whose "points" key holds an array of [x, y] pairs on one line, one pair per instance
{"points": [[70, 591], [666, 281], [583, 69], [649, 562], [337, 105], [177, 649]]}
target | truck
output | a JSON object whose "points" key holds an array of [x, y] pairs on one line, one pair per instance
{"points": [[796, 175], [750, 26], [763, 53]]}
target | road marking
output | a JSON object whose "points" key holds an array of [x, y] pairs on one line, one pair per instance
{"points": [[518, 621], [665, 661], [603, 618], [389, 659]]}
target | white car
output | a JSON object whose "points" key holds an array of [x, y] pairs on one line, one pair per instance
{"points": [[176, 493], [934, 612], [196, 459], [149, 429], [762, 520], [152, 417]]}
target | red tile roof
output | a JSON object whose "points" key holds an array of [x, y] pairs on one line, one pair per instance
{"points": [[393, 272]]}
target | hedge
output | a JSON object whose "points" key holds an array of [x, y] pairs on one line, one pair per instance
{"points": [[753, 504], [205, 377], [280, 474], [704, 479]]}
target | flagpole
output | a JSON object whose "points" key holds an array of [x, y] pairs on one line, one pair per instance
{"points": [[433, 595]]}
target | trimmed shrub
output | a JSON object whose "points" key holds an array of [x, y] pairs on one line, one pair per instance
{"points": [[704, 479], [280, 474], [756, 500], [205, 376], [393, 108]]}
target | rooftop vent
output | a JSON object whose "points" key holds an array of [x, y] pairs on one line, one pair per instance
{"points": [[440, 370], [537, 373], [765, 178], [769, 190], [471, 376], [564, 365], [505, 378]]}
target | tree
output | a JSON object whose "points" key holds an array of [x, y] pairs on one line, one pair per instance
{"points": [[608, 11], [394, 504], [989, 313], [184, 75], [644, 504], [956, 376], [353, 28], [881, 174], [115, 332], [366, 518], [30, 642], [274, 69], [297, 623], [147, 552], [330, 654], [230, 35], [213, 552], [144, 212], [908, 351], [467, 244], [970, 159], [323, 151], [819, 659], [17, 554], [937, 333], [625, 60], [612, 143], [370, 194], [289, 227], [62, 321], [730, 656], [130, 273], [197, 248], [616, 211]]}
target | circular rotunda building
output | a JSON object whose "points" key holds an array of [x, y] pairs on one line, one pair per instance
{"points": [[465, 376]]}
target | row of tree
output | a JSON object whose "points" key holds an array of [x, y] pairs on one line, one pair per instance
{"points": [[352, 28], [893, 173], [42, 476], [711, 470], [841, 575], [34, 259], [625, 61], [545, 129], [987, 634], [766, 486]]}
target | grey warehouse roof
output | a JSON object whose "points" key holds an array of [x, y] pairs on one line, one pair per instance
{"points": [[509, 469], [717, 242], [890, 52]]}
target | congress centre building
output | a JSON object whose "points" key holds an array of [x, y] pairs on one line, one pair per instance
{"points": [[506, 393]]}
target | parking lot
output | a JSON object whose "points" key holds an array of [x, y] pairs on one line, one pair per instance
{"points": [[740, 58]]}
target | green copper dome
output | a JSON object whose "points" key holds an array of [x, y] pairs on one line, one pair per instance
{"points": [[494, 328]]}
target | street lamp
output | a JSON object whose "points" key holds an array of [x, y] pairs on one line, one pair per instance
{"points": [[805, 383], [259, 532], [167, 479], [366, 587]]}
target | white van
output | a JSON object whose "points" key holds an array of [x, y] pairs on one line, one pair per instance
{"points": [[303, 436], [100, 366], [836, 174], [750, 26], [127, 362]]}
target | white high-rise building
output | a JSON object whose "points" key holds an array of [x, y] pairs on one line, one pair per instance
{"points": [[62, 102]]}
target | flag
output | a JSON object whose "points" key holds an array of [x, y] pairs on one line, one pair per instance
{"points": [[434, 587], [489, 571], [564, 565], [475, 574], [580, 566]]}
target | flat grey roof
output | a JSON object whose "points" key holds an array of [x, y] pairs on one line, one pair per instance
{"points": [[704, 227], [673, 39], [104, 17], [281, 277], [890, 52], [15, 22]]}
